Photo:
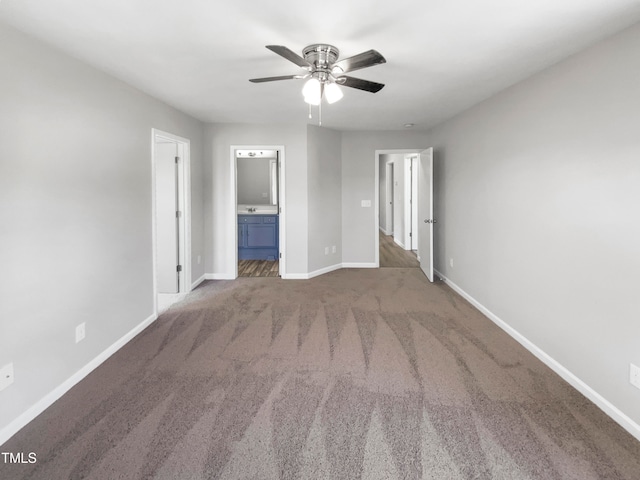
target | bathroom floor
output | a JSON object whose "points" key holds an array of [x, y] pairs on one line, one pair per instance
{"points": [[258, 268]]}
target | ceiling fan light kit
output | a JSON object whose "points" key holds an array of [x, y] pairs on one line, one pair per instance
{"points": [[325, 73]]}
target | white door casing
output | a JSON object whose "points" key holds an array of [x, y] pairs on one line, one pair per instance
{"points": [[425, 212], [414, 203]]}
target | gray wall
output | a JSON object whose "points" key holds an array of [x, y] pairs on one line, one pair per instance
{"points": [[75, 210], [220, 207], [324, 197], [537, 203]]}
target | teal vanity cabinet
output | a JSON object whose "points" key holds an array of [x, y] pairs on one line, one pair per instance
{"points": [[257, 237]]}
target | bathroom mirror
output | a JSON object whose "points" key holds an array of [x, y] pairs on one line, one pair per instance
{"points": [[257, 174]]}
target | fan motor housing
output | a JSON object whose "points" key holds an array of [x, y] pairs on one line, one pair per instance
{"points": [[321, 55]]}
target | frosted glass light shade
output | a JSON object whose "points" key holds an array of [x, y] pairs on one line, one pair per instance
{"points": [[333, 92], [312, 91]]}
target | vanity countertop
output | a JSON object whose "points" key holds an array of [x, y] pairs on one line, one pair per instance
{"points": [[257, 210]]}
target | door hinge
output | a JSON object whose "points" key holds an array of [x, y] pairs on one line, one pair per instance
{"points": [[179, 268], [411, 234], [177, 159], [178, 214], [280, 255]]}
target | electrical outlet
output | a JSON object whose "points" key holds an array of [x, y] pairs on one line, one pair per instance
{"points": [[326, 250], [451, 262], [634, 375], [80, 332], [333, 249], [6, 376]]}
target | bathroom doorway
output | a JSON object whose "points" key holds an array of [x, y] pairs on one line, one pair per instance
{"points": [[259, 193]]}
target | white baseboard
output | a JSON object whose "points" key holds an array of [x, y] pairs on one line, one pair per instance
{"points": [[45, 402], [384, 231], [607, 407], [359, 265], [295, 276], [399, 243], [198, 281], [324, 270], [219, 276]]}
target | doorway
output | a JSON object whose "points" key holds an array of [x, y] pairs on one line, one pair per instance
{"points": [[258, 214], [402, 178], [171, 218]]}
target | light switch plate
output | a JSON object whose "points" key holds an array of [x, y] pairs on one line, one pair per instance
{"points": [[634, 375]]}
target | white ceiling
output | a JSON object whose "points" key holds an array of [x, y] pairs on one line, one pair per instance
{"points": [[442, 55]]}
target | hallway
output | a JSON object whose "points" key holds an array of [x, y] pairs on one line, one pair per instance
{"points": [[392, 255]]}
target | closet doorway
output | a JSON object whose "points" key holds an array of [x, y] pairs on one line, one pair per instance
{"points": [[171, 218]]}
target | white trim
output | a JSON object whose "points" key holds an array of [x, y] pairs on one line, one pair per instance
{"points": [[198, 281], [220, 276], [399, 243], [233, 217], [607, 407], [184, 149], [384, 232], [360, 265], [322, 271], [408, 185], [296, 276], [45, 402]]}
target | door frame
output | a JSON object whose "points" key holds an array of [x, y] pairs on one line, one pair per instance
{"points": [[430, 221], [376, 214], [389, 197], [232, 227], [414, 160], [184, 205]]}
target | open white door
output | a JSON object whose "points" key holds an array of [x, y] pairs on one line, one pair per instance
{"points": [[425, 212], [166, 217]]}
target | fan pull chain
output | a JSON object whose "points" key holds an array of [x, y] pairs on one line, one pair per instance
{"points": [[310, 111], [320, 113]]}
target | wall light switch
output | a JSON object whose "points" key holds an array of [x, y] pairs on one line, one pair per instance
{"points": [[6, 376], [366, 203], [333, 249], [80, 332]]}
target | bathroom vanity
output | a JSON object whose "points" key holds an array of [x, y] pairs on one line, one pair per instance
{"points": [[258, 237]]}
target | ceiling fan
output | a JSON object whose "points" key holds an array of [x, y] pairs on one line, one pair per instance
{"points": [[325, 73]]}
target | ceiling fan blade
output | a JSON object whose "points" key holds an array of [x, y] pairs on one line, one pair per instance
{"points": [[362, 60], [289, 55], [360, 84], [273, 79]]}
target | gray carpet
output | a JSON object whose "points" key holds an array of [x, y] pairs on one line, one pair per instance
{"points": [[372, 374]]}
